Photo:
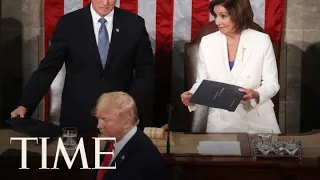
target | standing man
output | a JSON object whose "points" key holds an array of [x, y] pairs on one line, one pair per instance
{"points": [[104, 49], [135, 156]]}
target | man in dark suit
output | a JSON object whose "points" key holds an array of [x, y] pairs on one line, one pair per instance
{"points": [[116, 56], [135, 156]]}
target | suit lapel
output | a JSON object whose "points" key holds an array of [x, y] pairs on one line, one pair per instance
{"points": [[90, 38], [116, 34], [118, 161], [218, 59], [225, 56], [243, 55], [123, 155]]}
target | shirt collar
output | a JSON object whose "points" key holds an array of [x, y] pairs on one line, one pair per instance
{"points": [[96, 16], [120, 144]]}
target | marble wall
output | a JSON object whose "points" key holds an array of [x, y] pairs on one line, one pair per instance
{"points": [[298, 68], [29, 14]]}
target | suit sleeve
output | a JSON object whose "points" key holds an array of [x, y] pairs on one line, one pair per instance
{"points": [[47, 70], [201, 70], [201, 73], [142, 88], [269, 85]]}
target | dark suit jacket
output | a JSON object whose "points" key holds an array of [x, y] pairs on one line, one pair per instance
{"points": [[129, 68], [138, 160]]}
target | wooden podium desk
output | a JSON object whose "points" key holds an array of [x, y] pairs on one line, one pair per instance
{"points": [[183, 162]]}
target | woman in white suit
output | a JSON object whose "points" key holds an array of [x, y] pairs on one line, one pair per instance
{"points": [[241, 56]]}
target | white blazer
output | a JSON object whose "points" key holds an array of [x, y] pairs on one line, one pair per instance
{"points": [[254, 68]]}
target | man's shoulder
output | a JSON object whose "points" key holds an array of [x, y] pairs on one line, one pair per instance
{"points": [[148, 154], [128, 15], [146, 157], [142, 138], [74, 15], [144, 143]]}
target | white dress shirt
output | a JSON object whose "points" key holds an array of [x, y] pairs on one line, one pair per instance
{"points": [[120, 144], [96, 24]]}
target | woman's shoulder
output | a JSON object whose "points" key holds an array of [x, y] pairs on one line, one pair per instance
{"points": [[211, 37], [257, 35]]}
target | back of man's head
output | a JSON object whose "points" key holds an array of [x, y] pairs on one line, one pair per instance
{"points": [[120, 103]]}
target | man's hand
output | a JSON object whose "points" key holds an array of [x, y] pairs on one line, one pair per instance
{"points": [[20, 111]]}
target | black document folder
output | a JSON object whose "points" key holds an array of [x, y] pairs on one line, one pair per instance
{"points": [[35, 128], [11, 158], [217, 95]]}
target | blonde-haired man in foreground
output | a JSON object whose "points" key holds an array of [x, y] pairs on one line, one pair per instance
{"points": [[135, 156]]}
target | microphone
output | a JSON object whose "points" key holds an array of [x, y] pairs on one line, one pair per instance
{"points": [[170, 108]]}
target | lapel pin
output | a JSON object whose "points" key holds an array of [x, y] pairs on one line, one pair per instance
{"points": [[243, 49], [122, 158], [117, 29]]}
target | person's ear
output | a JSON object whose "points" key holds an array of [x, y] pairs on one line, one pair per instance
{"points": [[127, 124]]}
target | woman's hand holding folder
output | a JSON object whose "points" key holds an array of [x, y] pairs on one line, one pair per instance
{"points": [[250, 94], [185, 98]]}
